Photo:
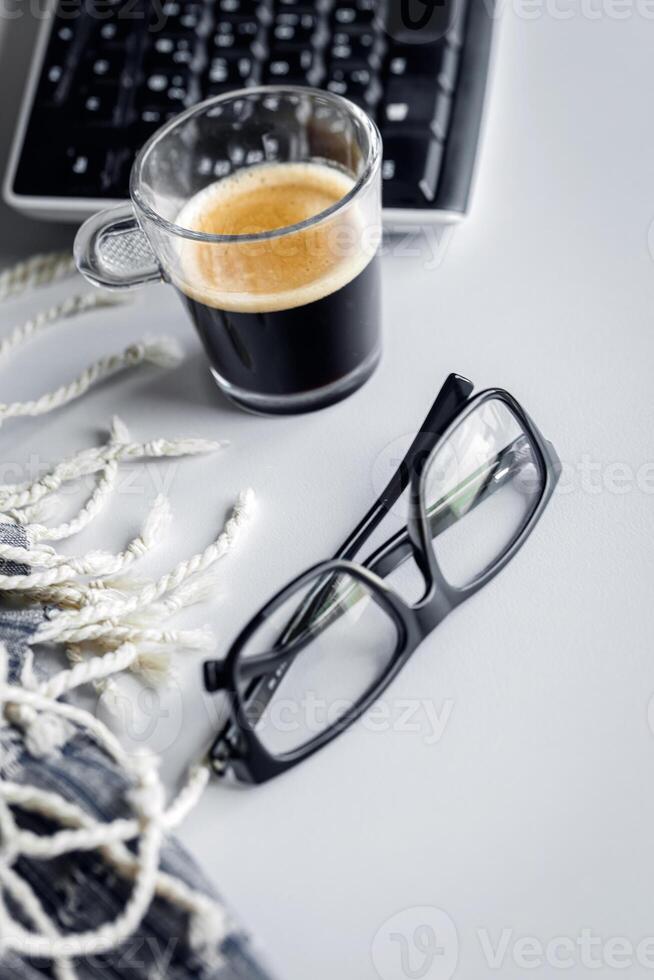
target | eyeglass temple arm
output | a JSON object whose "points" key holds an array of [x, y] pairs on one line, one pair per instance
{"points": [[450, 400], [453, 395]]}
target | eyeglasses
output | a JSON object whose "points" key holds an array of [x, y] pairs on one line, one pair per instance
{"points": [[479, 475]]}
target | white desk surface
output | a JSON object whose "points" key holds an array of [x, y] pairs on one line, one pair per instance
{"points": [[534, 813]]}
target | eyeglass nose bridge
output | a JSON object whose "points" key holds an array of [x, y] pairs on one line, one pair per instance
{"points": [[431, 610]]}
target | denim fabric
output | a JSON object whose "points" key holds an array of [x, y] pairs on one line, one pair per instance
{"points": [[80, 891]]}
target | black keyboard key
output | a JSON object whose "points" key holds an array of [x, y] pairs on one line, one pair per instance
{"points": [[348, 47], [430, 20], [52, 80], [295, 6], [233, 71], [82, 162], [442, 115], [409, 103], [62, 36], [61, 42], [178, 17], [113, 33], [104, 66], [239, 156], [410, 170], [239, 8], [210, 89], [100, 105], [429, 181], [149, 119], [150, 116], [434, 61], [290, 65], [169, 51], [86, 165], [168, 91], [358, 84], [84, 168], [235, 35], [449, 69], [294, 28], [355, 16], [351, 70], [214, 167]]}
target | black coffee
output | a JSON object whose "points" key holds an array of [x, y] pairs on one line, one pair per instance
{"points": [[293, 315], [298, 350]]}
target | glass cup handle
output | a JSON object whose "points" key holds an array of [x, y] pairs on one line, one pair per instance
{"points": [[112, 251]]}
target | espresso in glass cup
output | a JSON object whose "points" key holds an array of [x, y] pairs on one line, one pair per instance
{"points": [[262, 208]]}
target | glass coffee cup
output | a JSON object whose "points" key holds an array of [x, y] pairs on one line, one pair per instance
{"points": [[262, 208]]}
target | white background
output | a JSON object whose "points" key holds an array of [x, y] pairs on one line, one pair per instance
{"points": [[535, 811]]}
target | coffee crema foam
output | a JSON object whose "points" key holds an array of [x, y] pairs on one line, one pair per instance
{"points": [[277, 273]]}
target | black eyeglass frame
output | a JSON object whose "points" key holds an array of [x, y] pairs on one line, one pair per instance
{"points": [[238, 747]]}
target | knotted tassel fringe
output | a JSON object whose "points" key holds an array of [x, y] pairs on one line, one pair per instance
{"points": [[107, 622]]}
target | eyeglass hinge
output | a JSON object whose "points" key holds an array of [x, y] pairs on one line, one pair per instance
{"points": [[219, 757], [214, 675]]}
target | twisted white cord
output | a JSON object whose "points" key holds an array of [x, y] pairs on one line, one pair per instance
{"points": [[89, 670], [53, 807], [119, 434], [29, 708], [111, 634], [62, 622], [70, 307], [94, 505], [36, 271], [164, 352], [66, 595], [45, 558], [92, 460], [54, 579], [94, 835], [33, 513], [94, 563], [110, 935]]}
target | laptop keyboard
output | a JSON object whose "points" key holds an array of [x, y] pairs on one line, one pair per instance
{"points": [[115, 70]]}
